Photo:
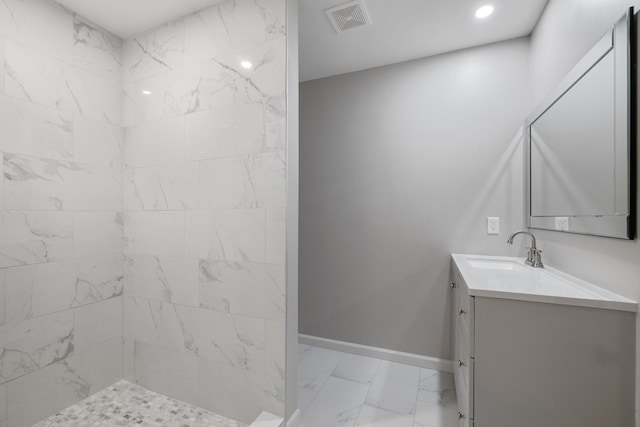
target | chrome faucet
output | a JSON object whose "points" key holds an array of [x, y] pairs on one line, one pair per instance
{"points": [[534, 257]]}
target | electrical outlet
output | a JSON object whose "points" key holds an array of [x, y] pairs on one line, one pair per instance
{"points": [[562, 223], [493, 225]]}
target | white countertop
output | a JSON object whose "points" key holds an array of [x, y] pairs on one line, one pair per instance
{"points": [[510, 278]]}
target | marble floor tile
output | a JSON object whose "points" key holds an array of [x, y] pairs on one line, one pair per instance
{"points": [[431, 415], [305, 397], [337, 404], [362, 391], [436, 387], [395, 388], [357, 368], [315, 365], [375, 417]]}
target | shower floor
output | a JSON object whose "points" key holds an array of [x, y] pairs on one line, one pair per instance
{"points": [[126, 404]]}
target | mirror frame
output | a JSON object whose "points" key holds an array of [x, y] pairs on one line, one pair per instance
{"points": [[621, 39]]}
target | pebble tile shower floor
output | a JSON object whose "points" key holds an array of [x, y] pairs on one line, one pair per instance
{"points": [[126, 404]]}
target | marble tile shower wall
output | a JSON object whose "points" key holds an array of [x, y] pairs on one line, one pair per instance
{"points": [[61, 201], [204, 201]]}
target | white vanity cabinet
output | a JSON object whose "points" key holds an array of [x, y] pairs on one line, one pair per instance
{"points": [[529, 350]]}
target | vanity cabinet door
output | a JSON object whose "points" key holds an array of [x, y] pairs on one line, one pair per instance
{"points": [[552, 365]]}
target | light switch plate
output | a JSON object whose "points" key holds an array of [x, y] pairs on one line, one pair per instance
{"points": [[493, 225]]}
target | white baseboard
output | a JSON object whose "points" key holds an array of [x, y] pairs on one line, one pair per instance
{"points": [[294, 419], [379, 353]]}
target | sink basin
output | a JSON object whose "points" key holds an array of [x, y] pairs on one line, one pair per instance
{"points": [[509, 278], [495, 264]]}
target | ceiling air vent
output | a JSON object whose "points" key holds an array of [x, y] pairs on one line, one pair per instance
{"points": [[347, 16]]}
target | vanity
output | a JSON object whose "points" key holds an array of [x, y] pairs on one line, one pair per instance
{"points": [[535, 347]]}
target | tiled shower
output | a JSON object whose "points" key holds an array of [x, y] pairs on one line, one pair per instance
{"points": [[142, 229]]}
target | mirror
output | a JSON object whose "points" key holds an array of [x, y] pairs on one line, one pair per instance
{"points": [[581, 144]]}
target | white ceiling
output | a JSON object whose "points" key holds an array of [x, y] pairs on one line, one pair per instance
{"points": [[126, 18], [405, 29]]}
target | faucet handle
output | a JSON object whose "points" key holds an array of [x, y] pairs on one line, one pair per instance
{"points": [[536, 258], [529, 255]]}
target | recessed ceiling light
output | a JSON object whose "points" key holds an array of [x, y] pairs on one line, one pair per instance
{"points": [[484, 11], [246, 64], [146, 92]]}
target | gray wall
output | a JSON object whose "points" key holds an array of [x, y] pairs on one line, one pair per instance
{"points": [[567, 29], [400, 166]]}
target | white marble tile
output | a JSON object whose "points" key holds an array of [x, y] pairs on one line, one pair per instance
{"points": [[357, 368], [97, 233], [237, 393], [276, 123], [256, 290], [34, 183], [225, 81], [395, 388], [171, 187], [305, 397], [2, 298], [376, 417], [1, 179], [129, 113], [38, 24], [97, 51], [337, 404], [31, 129], [94, 97], [97, 323], [154, 233], [271, 179], [276, 18], [225, 131], [276, 236], [269, 393], [40, 289], [42, 393], [154, 322], [228, 183], [266, 78], [232, 235], [97, 143], [33, 237], [167, 279], [315, 365], [228, 26], [157, 143], [49, 82], [36, 290], [1, 65], [275, 349], [169, 372], [155, 52], [128, 349], [429, 414], [224, 338], [243, 182], [165, 95], [35, 343], [436, 387], [19, 293]]}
